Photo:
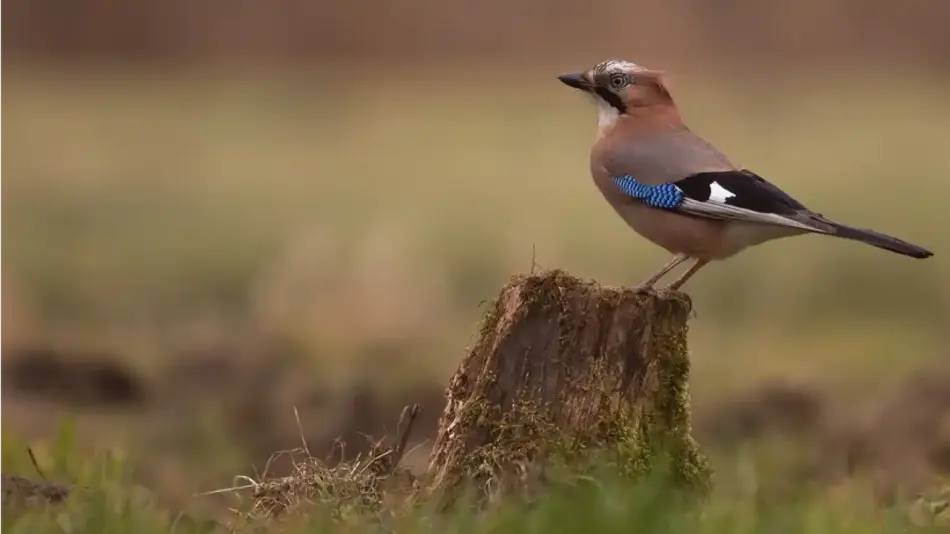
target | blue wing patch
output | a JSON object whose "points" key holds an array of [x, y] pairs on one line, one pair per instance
{"points": [[753, 200], [665, 196]]}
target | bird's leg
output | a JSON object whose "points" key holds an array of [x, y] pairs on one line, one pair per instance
{"points": [[686, 276], [677, 259]]}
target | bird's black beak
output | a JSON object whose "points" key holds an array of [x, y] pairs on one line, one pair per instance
{"points": [[577, 80]]}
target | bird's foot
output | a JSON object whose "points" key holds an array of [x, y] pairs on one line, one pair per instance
{"points": [[664, 292], [672, 288], [645, 289]]}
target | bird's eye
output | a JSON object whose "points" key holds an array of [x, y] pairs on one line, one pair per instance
{"points": [[618, 80]]}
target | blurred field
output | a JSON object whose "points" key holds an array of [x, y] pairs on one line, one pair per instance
{"points": [[249, 240], [138, 202]]}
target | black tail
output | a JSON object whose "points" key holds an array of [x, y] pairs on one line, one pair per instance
{"points": [[880, 240]]}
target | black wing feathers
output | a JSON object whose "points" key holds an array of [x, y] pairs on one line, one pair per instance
{"points": [[745, 196], [750, 191]]}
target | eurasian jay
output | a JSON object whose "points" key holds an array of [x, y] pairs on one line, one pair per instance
{"points": [[677, 190]]}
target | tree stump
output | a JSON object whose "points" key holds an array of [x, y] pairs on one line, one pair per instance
{"points": [[561, 364]]}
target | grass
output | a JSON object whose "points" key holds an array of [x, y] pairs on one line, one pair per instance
{"points": [[357, 223], [104, 500]]}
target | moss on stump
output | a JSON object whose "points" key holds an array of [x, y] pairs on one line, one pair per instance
{"points": [[568, 369]]}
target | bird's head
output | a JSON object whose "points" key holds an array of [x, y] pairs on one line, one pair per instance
{"points": [[620, 88]]}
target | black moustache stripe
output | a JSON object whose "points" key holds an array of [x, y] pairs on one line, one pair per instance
{"points": [[612, 99]]}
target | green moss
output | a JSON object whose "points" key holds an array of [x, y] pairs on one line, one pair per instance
{"points": [[672, 410], [490, 319], [620, 439]]}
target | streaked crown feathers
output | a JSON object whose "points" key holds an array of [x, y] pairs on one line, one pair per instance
{"points": [[615, 65]]}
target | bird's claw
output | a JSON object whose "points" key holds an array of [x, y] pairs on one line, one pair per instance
{"points": [[644, 289]]}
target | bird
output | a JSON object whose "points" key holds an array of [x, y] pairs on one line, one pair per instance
{"points": [[677, 190]]}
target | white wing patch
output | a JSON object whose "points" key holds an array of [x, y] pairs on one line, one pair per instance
{"points": [[718, 193]]}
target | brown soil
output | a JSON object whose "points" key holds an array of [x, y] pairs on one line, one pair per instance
{"points": [[20, 492], [84, 379]]}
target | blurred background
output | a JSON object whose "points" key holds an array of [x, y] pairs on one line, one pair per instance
{"points": [[215, 212]]}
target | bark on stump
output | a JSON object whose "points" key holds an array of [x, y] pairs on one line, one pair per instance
{"points": [[561, 365]]}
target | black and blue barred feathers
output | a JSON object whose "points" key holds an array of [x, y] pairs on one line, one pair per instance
{"points": [[665, 196]]}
